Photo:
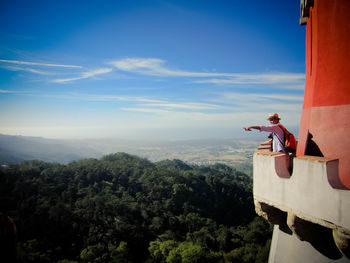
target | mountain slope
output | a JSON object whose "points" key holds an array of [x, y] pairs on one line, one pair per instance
{"points": [[19, 148]]}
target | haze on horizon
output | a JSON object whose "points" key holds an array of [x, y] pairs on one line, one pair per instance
{"points": [[154, 69]]}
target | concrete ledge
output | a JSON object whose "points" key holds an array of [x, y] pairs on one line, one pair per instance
{"points": [[287, 248], [309, 192], [342, 240], [332, 242], [270, 213], [311, 203]]}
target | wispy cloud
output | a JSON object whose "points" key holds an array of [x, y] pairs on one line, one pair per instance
{"points": [[272, 78], [255, 102], [300, 86], [155, 103], [24, 66], [188, 119], [15, 68], [147, 110], [225, 103], [246, 97], [280, 97], [184, 118], [251, 113], [119, 98], [282, 107], [18, 62], [142, 102], [7, 91], [156, 67], [187, 106], [101, 98], [85, 75]]}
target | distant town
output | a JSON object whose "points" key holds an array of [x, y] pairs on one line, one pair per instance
{"points": [[233, 152]]}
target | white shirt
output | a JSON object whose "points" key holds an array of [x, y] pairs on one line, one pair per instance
{"points": [[277, 136]]}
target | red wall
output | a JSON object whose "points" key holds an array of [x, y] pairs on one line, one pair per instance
{"points": [[326, 109]]}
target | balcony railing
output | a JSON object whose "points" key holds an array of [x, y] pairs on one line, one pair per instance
{"points": [[303, 195]]}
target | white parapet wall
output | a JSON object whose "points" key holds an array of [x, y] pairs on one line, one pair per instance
{"points": [[307, 191], [306, 199]]}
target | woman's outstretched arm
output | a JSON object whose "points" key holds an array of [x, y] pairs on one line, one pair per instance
{"points": [[251, 127]]}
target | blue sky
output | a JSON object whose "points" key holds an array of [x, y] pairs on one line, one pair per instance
{"points": [[149, 69]]}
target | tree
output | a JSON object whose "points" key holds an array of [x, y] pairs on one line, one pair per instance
{"points": [[122, 208]]}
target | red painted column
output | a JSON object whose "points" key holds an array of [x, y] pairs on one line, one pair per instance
{"points": [[325, 122]]}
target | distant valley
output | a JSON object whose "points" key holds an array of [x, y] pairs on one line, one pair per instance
{"points": [[232, 152]]}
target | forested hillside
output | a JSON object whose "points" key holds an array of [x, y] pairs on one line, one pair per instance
{"points": [[122, 208]]}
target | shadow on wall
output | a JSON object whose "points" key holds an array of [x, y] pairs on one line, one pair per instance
{"points": [[320, 237], [311, 147]]}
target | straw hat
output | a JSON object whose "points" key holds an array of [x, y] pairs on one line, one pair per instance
{"points": [[273, 116]]}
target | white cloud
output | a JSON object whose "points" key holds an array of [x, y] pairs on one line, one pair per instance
{"points": [[15, 68], [93, 73], [210, 124], [113, 98], [147, 110], [94, 97], [221, 102], [7, 91], [188, 106], [272, 78], [262, 102], [85, 75], [257, 97], [185, 118], [37, 64], [283, 97], [155, 67], [144, 101], [282, 107]]}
